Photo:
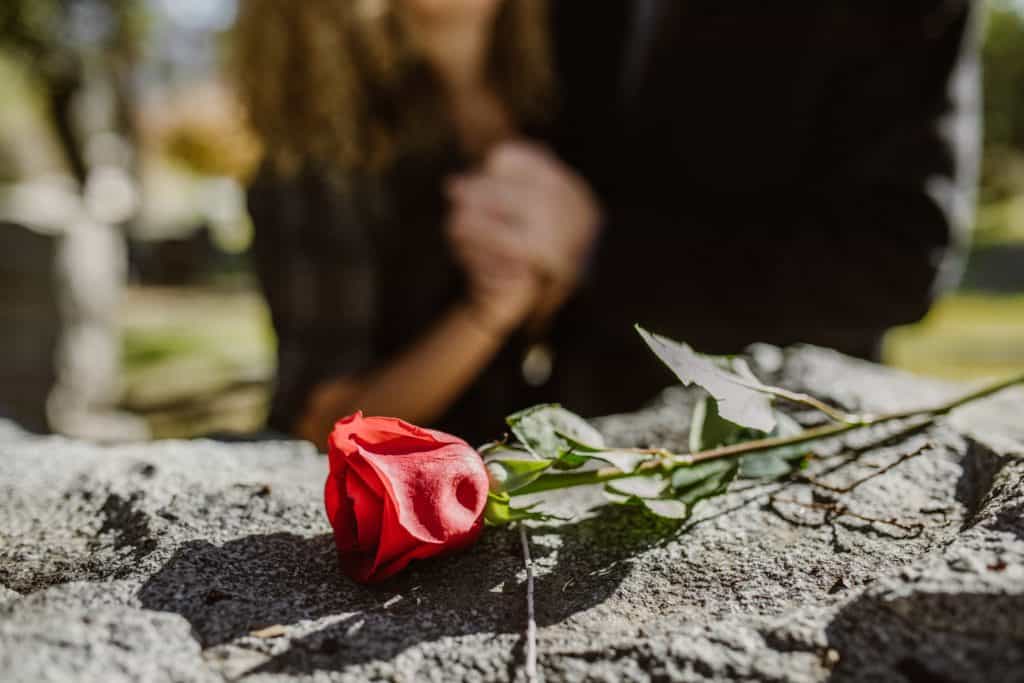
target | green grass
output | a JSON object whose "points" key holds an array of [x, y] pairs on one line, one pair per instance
{"points": [[144, 348], [965, 336], [1001, 222], [196, 361]]}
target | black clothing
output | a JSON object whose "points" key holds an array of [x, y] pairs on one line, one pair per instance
{"points": [[784, 172]]}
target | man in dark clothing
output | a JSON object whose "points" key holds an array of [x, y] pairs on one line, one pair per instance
{"points": [[794, 172]]}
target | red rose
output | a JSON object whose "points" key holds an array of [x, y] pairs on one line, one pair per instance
{"points": [[397, 492]]}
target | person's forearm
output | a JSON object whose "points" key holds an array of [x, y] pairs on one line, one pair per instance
{"points": [[419, 384]]}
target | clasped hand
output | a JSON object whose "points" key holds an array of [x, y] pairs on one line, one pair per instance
{"points": [[522, 227]]}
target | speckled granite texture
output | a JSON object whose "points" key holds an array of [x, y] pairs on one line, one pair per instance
{"points": [[159, 562]]}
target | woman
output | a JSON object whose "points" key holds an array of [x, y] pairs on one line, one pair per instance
{"points": [[411, 246]]}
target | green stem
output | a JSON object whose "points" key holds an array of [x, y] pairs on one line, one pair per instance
{"points": [[950, 406], [561, 480]]}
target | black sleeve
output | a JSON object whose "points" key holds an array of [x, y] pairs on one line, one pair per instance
{"points": [[314, 263], [865, 241]]}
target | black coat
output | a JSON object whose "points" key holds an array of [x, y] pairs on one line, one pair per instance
{"points": [[784, 172]]}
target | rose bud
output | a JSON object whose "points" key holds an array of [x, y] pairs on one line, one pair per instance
{"points": [[397, 492]]}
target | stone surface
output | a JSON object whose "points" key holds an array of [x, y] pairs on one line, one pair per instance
{"points": [[202, 561]]}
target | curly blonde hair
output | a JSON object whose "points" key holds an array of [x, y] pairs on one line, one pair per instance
{"points": [[340, 83]]}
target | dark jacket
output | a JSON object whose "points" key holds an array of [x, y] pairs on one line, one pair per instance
{"points": [[783, 172]]}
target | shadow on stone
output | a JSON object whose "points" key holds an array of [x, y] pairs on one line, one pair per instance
{"points": [[980, 467], [229, 591], [594, 557], [260, 580], [989, 504], [930, 638]]}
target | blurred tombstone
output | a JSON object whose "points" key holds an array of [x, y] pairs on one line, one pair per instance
{"points": [[79, 56], [94, 62], [90, 267], [30, 320], [65, 272]]}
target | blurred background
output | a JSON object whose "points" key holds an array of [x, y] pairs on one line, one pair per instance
{"points": [[122, 156]]}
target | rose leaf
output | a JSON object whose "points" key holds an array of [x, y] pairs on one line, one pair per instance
{"points": [[499, 511], [764, 466], [662, 507], [741, 399], [777, 462], [553, 433], [668, 508], [638, 487], [698, 482], [625, 460], [708, 429]]}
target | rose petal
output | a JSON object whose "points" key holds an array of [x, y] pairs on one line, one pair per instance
{"points": [[379, 430], [422, 551], [368, 474], [368, 509], [437, 495], [332, 497], [398, 492], [396, 444], [396, 542], [339, 513]]}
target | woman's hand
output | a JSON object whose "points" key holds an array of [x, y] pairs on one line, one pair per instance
{"points": [[537, 209], [503, 285]]}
